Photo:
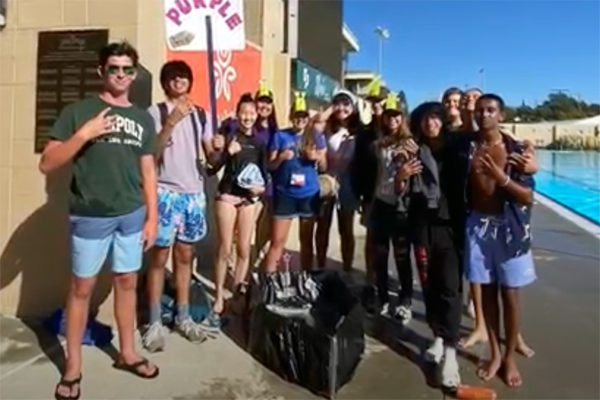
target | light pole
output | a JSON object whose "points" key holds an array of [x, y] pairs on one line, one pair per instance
{"points": [[382, 33]]}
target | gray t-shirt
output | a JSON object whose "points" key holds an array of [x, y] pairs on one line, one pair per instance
{"points": [[385, 187], [177, 170]]}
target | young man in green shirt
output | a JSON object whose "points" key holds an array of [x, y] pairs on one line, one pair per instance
{"points": [[112, 204]]}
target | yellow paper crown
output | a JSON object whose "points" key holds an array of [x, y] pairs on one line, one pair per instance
{"points": [[374, 87], [300, 102], [263, 91], [391, 102]]}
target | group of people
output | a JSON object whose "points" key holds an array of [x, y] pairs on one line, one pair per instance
{"points": [[445, 183]]}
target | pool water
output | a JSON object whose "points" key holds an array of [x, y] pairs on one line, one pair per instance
{"points": [[572, 179]]}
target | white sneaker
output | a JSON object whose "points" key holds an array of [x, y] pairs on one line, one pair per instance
{"points": [[450, 373], [154, 337], [190, 330], [404, 313], [435, 352], [385, 310]]}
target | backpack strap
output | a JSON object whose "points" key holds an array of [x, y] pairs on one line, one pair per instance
{"points": [[163, 112], [201, 116]]}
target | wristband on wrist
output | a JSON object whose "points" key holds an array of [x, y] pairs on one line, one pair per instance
{"points": [[506, 182]]}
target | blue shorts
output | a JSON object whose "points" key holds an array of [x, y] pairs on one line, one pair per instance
{"points": [[487, 259], [181, 216], [287, 207], [93, 237]]}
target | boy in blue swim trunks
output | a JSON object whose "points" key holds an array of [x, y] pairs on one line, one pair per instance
{"points": [[112, 205], [498, 239]]}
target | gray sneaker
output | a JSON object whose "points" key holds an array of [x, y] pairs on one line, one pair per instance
{"points": [[154, 337], [190, 330]]}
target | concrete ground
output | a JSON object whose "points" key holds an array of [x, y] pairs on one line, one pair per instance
{"points": [[560, 320]]}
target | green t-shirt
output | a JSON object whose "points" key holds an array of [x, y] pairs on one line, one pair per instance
{"points": [[106, 172]]}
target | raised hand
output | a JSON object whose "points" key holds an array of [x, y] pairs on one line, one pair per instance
{"points": [[490, 168], [182, 109], [234, 147], [286, 155], [525, 162], [410, 168], [411, 146], [99, 125]]}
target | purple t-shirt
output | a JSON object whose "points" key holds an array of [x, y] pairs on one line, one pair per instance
{"points": [[177, 171]]}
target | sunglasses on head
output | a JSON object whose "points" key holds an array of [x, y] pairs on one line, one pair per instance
{"points": [[114, 69]]}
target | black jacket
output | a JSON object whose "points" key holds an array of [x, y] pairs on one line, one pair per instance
{"points": [[364, 163]]}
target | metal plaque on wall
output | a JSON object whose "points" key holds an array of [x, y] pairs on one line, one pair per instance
{"points": [[67, 64]]}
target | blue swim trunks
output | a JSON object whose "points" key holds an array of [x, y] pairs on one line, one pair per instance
{"points": [[181, 217], [487, 257], [92, 238]]}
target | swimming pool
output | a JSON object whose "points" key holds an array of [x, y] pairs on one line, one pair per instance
{"points": [[572, 179]]}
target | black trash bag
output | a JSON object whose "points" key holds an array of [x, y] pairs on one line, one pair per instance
{"points": [[318, 349], [288, 293]]}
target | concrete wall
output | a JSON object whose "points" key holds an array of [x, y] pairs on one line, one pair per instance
{"points": [[275, 64], [543, 134], [253, 17], [34, 261], [320, 35]]}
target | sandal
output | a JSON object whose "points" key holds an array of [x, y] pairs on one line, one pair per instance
{"points": [[134, 368], [69, 384]]}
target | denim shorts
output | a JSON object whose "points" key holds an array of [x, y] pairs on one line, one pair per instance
{"points": [[92, 238], [181, 216], [487, 257], [287, 207]]}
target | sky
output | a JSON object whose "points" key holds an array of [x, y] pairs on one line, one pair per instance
{"points": [[526, 48]]}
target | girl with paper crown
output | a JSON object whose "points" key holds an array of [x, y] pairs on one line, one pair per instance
{"points": [[296, 188], [265, 127], [388, 219]]}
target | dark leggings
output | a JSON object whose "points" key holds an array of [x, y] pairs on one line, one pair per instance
{"points": [[387, 225], [437, 254]]}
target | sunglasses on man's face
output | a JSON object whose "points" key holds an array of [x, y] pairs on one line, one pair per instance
{"points": [[115, 69]]}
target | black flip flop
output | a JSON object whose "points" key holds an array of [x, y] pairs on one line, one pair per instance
{"points": [[68, 383], [134, 368]]}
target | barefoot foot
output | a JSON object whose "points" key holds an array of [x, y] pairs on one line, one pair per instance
{"points": [[523, 348], [489, 370], [218, 306], [477, 336], [511, 374]]}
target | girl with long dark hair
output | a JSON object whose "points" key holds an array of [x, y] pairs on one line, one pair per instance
{"points": [[244, 156], [342, 127]]}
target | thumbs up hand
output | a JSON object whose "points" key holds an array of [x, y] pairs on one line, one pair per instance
{"points": [[234, 147]]}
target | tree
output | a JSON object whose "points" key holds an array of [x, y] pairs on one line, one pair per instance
{"points": [[557, 107]]}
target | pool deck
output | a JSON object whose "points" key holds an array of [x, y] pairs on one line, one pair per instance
{"points": [[560, 319]]}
